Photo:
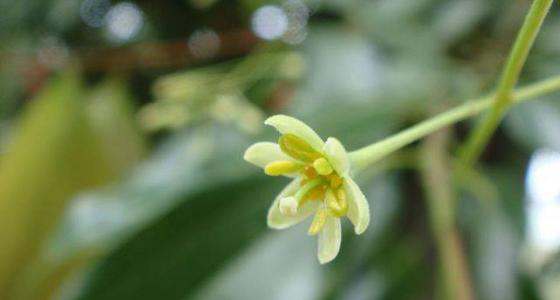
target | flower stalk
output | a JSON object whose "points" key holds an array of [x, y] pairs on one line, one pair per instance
{"points": [[503, 98], [367, 155]]}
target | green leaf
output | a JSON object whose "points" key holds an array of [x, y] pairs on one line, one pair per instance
{"points": [[172, 257], [282, 264], [52, 156]]}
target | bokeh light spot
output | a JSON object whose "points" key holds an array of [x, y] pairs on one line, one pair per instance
{"points": [[543, 206], [269, 22], [53, 53], [204, 43], [124, 21], [297, 13]]}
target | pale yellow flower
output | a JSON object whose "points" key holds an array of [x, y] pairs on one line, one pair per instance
{"points": [[322, 184]]}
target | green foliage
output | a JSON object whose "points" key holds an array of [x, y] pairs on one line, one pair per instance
{"points": [[43, 167], [93, 208]]}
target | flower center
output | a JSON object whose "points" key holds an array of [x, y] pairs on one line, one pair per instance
{"points": [[320, 182]]}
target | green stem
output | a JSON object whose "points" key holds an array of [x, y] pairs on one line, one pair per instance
{"points": [[363, 157], [441, 201], [525, 40]]}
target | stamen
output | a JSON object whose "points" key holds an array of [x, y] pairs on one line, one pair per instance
{"points": [[335, 181], [322, 166], [288, 206], [318, 222], [336, 204], [277, 168], [341, 196], [297, 148]]}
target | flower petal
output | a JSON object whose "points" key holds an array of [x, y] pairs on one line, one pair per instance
{"points": [[263, 153], [358, 207], [277, 220], [329, 240], [337, 156], [289, 125]]}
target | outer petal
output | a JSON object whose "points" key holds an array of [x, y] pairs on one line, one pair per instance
{"points": [[263, 153], [329, 240], [288, 125], [358, 207], [277, 220], [337, 156]]}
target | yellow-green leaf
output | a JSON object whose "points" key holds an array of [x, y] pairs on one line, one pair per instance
{"points": [[53, 155]]}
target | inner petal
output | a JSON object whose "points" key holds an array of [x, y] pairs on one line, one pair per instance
{"points": [[289, 125], [297, 148]]}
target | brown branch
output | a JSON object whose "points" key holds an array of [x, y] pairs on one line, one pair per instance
{"points": [[143, 56], [161, 55]]}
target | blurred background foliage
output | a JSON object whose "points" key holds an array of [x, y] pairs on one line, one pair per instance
{"points": [[123, 123]]}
